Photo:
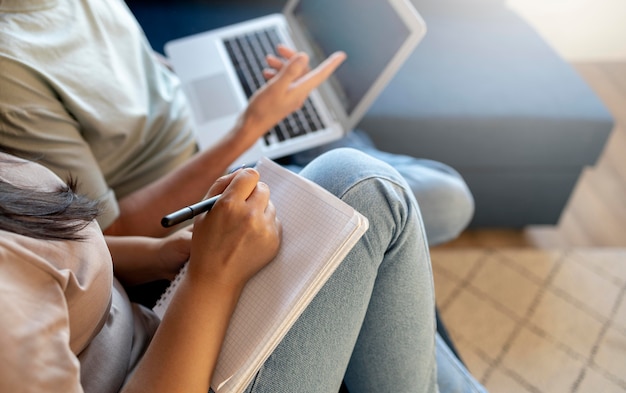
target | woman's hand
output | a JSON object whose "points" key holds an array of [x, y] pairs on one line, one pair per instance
{"points": [[141, 259], [277, 63], [290, 81], [239, 236], [172, 252], [230, 243]]}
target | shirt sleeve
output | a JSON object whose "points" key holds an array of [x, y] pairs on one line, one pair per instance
{"points": [[33, 119], [35, 337]]}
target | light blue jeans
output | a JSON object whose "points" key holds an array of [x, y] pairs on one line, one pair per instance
{"points": [[445, 200], [373, 322]]}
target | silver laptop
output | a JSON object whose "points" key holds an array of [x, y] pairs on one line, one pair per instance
{"points": [[221, 68]]}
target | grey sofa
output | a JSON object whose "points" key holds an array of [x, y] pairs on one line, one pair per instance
{"points": [[482, 92]]}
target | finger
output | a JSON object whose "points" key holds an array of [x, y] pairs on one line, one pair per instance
{"points": [[220, 184], [279, 225], [272, 219], [270, 210], [274, 62], [259, 199], [269, 73], [241, 186], [314, 78], [295, 69], [270, 213], [285, 51]]}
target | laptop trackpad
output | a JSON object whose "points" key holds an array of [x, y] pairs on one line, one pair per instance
{"points": [[211, 97]]}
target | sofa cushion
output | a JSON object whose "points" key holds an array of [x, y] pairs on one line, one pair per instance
{"points": [[485, 94], [484, 90]]}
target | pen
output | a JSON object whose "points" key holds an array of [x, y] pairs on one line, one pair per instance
{"points": [[189, 212]]}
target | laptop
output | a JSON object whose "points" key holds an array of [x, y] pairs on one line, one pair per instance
{"points": [[220, 69]]}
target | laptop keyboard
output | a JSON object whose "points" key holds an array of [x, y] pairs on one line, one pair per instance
{"points": [[247, 53]]}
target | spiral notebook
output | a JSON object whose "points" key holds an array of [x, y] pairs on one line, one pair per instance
{"points": [[319, 230]]}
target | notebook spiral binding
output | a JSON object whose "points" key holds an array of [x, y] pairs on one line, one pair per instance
{"points": [[161, 304]]}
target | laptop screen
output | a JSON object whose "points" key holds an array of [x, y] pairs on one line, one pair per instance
{"points": [[369, 31]]}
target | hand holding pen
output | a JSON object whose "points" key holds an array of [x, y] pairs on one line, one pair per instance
{"points": [[240, 234], [189, 212]]}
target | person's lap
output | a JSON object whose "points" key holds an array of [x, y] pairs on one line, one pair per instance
{"points": [[319, 348], [444, 198]]}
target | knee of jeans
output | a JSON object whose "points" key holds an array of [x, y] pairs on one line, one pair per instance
{"points": [[371, 186], [447, 208], [340, 169]]}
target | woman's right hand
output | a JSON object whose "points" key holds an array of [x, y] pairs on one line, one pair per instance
{"points": [[229, 244], [239, 236], [285, 92]]}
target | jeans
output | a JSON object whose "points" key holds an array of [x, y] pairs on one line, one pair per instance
{"points": [[372, 324], [445, 200]]}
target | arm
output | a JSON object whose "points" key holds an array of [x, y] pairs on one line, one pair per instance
{"points": [[141, 259], [230, 244], [283, 94]]}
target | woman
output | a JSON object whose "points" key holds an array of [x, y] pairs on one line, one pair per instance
{"points": [[67, 325]]}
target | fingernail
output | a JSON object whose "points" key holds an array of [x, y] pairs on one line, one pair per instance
{"points": [[301, 58], [244, 166]]}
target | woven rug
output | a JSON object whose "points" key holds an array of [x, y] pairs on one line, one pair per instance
{"points": [[529, 320]]}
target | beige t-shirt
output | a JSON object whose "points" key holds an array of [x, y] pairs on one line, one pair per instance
{"points": [[79, 84], [66, 325]]}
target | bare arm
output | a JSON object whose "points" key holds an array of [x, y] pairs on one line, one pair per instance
{"points": [[141, 259], [141, 211], [230, 244]]}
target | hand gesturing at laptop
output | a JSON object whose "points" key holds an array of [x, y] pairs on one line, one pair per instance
{"points": [[290, 81]]}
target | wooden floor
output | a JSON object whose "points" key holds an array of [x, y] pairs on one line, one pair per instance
{"points": [[595, 215]]}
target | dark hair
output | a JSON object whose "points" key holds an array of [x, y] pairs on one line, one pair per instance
{"points": [[48, 215]]}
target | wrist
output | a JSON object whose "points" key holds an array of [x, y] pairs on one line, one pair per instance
{"points": [[205, 274], [247, 130], [213, 284]]}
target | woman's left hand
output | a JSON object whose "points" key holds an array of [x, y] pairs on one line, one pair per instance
{"points": [[141, 259], [173, 251]]}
